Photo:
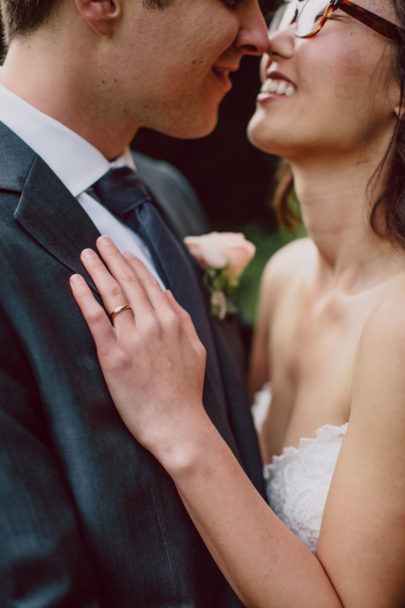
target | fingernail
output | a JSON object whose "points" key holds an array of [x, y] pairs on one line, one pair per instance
{"points": [[104, 241], [88, 253], [128, 255], [77, 280]]}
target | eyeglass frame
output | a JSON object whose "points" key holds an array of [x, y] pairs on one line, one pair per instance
{"points": [[375, 22]]}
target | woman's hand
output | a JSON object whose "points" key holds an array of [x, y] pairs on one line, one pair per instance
{"points": [[151, 357]]}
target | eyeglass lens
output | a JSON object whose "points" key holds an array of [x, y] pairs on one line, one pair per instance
{"points": [[307, 14], [283, 17]]}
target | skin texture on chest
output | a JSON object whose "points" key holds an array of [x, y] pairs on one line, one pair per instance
{"points": [[313, 348]]}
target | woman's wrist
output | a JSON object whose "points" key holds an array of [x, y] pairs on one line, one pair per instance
{"points": [[181, 451]]}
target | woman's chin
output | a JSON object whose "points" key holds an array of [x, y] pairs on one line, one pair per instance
{"points": [[271, 139], [261, 138]]}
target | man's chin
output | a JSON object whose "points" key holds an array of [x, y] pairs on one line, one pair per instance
{"points": [[192, 128]]}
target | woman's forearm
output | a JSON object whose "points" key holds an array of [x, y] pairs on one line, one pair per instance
{"points": [[257, 554], [154, 369]]}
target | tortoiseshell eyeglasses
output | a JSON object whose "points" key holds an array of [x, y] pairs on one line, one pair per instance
{"points": [[311, 15]]}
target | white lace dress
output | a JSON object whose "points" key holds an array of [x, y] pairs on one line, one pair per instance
{"points": [[298, 480]]}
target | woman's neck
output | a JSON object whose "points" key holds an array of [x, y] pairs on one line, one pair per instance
{"points": [[336, 199]]}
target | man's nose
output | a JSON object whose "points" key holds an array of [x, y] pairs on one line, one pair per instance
{"points": [[253, 37]]}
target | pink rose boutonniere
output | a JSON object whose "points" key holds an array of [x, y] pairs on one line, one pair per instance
{"points": [[223, 256]]}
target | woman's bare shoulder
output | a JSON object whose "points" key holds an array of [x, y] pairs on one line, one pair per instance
{"points": [[366, 503], [285, 268], [386, 323], [380, 361], [290, 261]]}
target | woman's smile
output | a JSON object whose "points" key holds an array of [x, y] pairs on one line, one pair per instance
{"points": [[275, 84]]}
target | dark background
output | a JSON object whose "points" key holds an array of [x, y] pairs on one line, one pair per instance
{"points": [[232, 178]]}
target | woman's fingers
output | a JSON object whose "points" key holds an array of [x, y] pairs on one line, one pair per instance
{"points": [[154, 368], [121, 283], [124, 280], [94, 315], [124, 276], [153, 291], [163, 302], [111, 291], [140, 287], [160, 300], [187, 323]]}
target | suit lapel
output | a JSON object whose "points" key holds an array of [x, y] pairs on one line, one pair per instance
{"points": [[46, 210], [53, 217]]}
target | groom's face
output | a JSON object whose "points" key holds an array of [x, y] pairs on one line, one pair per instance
{"points": [[173, 63]]}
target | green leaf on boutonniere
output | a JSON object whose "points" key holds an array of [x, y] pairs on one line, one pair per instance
{"points": [[222, 286]]}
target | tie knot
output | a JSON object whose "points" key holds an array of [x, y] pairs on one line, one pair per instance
{"points": [[121, 191]]}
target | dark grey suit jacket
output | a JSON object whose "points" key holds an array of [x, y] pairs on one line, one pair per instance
{"points": [[87, 517]]}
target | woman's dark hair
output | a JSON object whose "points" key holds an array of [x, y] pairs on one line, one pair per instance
{"points": [[392, 201], [287, 214]]}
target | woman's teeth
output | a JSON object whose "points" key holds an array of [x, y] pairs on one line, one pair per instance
{"points": [[280, 87]]}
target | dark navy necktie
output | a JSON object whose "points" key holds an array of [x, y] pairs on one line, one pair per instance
{"points": [[127, 197]]}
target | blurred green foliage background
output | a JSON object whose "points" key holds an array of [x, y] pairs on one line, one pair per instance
{"points": [[266, 243]]}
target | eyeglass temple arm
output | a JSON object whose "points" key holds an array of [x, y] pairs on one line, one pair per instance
{"points": [[384, 27]]}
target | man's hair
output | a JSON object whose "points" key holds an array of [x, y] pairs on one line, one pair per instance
{"points": [[23, 16]]}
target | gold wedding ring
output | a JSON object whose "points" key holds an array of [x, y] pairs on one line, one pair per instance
{"points": [[117, 311]]}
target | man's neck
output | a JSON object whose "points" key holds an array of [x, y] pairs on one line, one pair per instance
{"points": [[51, 85]]}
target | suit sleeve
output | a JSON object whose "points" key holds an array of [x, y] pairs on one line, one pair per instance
{"points": [[42, 556]]}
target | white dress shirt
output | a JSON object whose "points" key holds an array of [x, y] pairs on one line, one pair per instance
{"points": [[78, 165]]}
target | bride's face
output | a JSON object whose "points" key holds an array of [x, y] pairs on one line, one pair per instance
{"points": [[336, 92]]}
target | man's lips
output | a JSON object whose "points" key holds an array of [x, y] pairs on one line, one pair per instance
{"points": [[222, 73]]}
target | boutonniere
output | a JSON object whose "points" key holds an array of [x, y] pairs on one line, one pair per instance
{"points": [[223, 256]]}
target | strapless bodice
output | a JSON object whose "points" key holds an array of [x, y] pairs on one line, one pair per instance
{"points": [[298, 480]]}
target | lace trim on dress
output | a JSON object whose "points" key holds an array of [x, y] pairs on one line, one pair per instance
{"points": [[298, 482]]}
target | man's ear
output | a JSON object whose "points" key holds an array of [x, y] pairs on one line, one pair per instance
{"points": [[100, 15]]}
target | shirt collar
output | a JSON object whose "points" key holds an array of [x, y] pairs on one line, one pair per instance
{"points": [[76, 162]]}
